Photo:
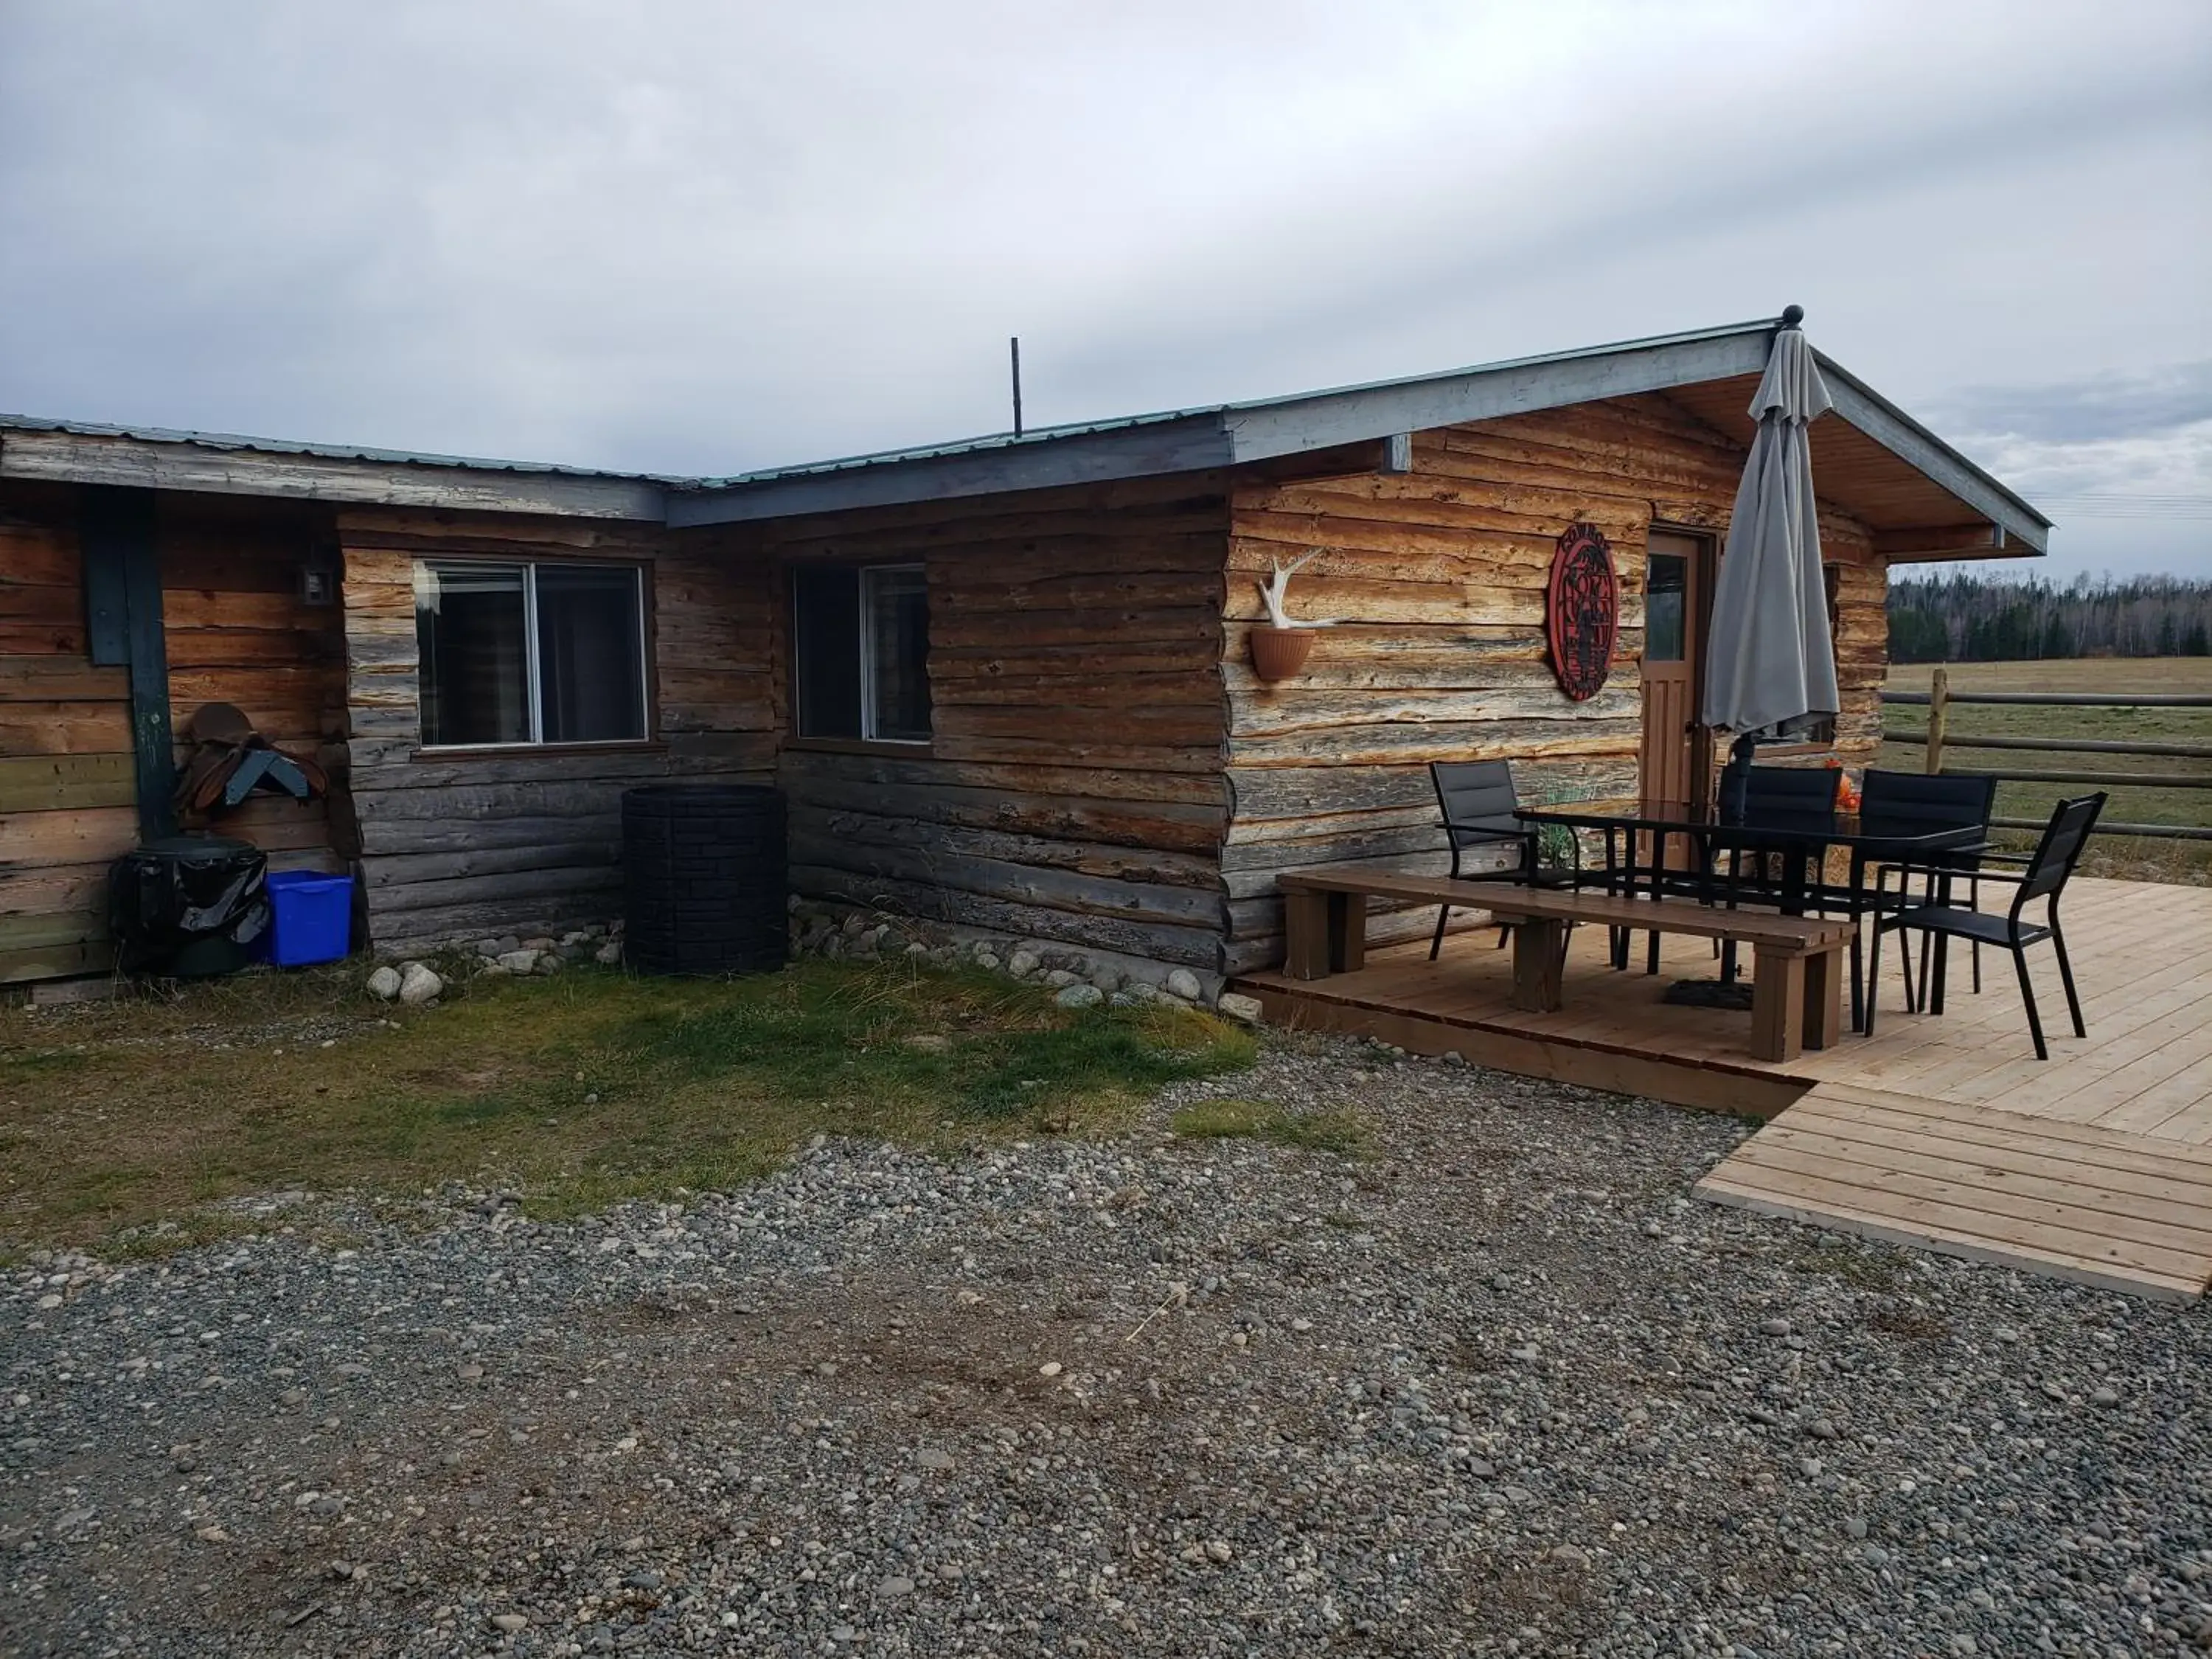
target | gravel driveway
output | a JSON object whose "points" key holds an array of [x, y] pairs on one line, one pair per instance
{"points": [[1498, 1388]]}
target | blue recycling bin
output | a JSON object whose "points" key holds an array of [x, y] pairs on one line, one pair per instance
{"points": [[313, 917]]}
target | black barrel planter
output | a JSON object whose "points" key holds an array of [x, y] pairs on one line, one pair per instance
{"points": [[703, 878]]}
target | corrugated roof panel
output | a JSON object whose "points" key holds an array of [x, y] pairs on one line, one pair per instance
{"points": [[328, 452]]}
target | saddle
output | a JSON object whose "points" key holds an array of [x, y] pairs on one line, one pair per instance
{"points": [[230, 759]]}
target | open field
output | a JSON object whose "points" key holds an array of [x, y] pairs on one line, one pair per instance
{"points": [[128, 1123], [2110, 856]]}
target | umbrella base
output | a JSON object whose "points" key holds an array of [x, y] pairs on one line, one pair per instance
{"points": [[1709, 993]]}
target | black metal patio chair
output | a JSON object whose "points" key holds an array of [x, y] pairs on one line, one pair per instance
{"points": [[1918, 803], [1799, 799], [2048, 870], [1477, 800]]}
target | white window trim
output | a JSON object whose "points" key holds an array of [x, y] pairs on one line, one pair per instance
{"points": [[534, 704]]}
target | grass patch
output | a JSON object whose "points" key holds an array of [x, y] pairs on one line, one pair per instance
{"points": [[2134, 859], [1852, 1266], [579, 1090], [1338, 1131]]}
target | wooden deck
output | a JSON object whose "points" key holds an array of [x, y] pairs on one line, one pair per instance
{"points": [[1944, 1131]]}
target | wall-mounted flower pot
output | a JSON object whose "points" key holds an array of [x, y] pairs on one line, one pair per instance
{"points": [[1279, 652]]}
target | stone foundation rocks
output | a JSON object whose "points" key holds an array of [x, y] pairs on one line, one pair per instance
{"points": [[840, 931]]}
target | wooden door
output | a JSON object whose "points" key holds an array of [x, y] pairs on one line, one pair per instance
{"points": [[1675, 586]]}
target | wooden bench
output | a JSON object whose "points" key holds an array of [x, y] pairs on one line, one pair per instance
{"points": [[1797, 971]]}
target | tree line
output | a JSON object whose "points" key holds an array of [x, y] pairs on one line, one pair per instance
{"points": [[1961, 617]]}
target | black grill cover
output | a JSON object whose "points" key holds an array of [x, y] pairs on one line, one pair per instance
{"points": [[703, 878], [188, 905]]}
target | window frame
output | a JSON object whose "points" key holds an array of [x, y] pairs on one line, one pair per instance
{"points": [[641, 574], [863, 626]]}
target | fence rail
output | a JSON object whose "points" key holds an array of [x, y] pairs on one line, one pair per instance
{"points": [[2062, 699], [1936, 738]]}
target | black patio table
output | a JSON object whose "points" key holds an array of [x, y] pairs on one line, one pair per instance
{"points": [[1801, 849]]}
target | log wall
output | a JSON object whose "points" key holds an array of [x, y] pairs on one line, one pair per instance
{"points": [[1436, 579], [1072, 789], [238, 630], [235, 631], [521, 842]]}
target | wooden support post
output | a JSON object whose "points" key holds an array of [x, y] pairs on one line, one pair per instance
{"points": [[1939, 709], [1305, 935], [1347, 933], [1824, 998], [116, 534], [1777, 1004], [1538, 964]]}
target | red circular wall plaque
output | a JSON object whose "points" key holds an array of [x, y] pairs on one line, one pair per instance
{"points": [[1582, 611]]}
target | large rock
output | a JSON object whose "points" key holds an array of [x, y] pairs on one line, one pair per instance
{"points": [[1183, 983], [1078, 996], [418, 984], [518, 962], [610, 954], [1236, 1006], [1022, 964], [384, 984]]}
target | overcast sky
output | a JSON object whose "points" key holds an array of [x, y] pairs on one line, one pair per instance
{"points": [[707, 237]]}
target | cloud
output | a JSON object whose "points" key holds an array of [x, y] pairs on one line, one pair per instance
{"points": [[2147, 404], [700, 237]]}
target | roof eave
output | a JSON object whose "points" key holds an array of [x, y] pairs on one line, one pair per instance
{"points": [[2026, 533], [1324, 420], [1193, 443], [58, 454]]}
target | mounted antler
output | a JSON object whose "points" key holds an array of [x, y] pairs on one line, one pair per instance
{"points": [[1273, 590]]}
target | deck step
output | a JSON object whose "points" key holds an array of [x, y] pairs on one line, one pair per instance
{"points": [[2098, 1206]]}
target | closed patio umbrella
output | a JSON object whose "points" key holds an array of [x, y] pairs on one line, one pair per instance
{"points": [[1770, 658]]}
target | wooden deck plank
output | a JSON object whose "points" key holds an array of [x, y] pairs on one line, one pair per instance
{"points": [[1984, 1125], [1831, 1212], [2178, 1200], [2049, 1206], [2101, 1206], [1943, 1131]]}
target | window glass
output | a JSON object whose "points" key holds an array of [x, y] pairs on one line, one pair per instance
{"points": [[1663, 610], [898, 603], [590, 653], [860, 638], [826, 630], [471, 631]]}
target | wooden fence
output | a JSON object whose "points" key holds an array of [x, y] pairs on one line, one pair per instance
{"points": [[1938, 740]]}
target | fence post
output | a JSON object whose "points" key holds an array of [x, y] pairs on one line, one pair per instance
{"points": [[1939, 707]]}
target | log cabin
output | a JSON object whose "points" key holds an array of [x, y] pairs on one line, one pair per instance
{"points": [[1003, 682]]}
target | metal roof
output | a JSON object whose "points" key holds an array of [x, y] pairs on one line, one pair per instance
{"points": [[231, 441], [1046, 434], [1196, 438]]}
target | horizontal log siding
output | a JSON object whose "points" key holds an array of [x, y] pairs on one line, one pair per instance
{"points": [[460, 847], [234, 632], [1436, 579], [1071, 790], [66, 790], [238, 632]]}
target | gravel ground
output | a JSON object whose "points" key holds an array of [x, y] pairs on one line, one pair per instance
{"points": [[1499, 1388]]}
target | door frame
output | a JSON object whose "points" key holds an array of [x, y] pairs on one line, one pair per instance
{"points": [[1706, 567]]}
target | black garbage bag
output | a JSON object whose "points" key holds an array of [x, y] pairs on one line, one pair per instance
{"points": [[188, 906]]}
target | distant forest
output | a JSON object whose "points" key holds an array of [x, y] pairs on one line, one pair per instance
{"points": [[1957, 617]]}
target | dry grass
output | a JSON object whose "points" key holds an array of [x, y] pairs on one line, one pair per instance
{"points": [[2134, 859], [1339, 1132], [578, 1090]]}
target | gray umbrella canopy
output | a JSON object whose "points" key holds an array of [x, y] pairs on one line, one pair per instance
{"points": [[1770, 657]]}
